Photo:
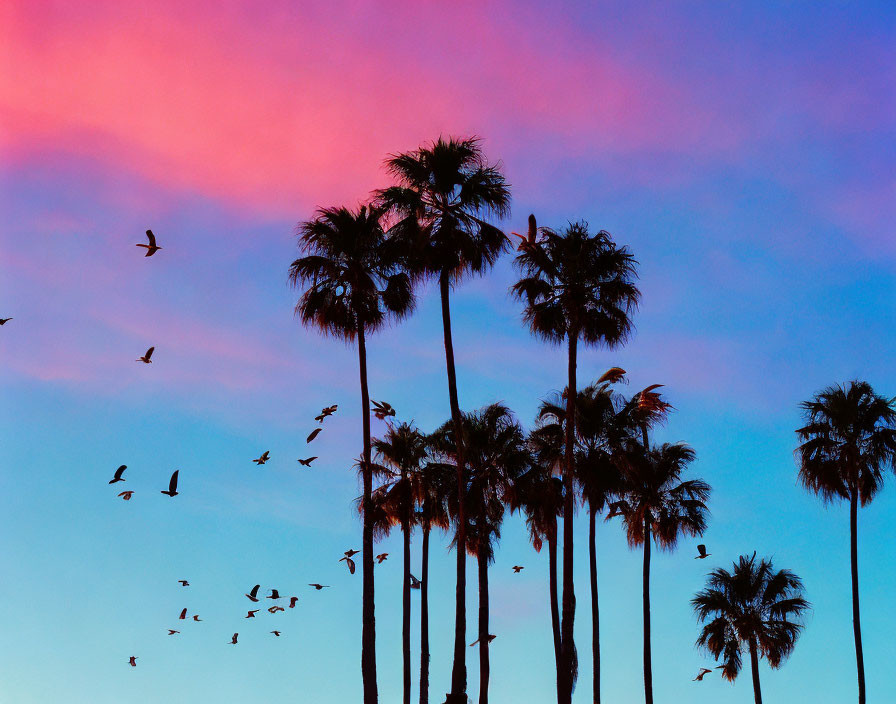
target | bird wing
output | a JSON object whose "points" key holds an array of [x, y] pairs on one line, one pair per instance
{"points": [[255, 589], [313, 435], [172, 484], [351, 565], [120, 471], [149, 352], [151, 237], [183, 614]]}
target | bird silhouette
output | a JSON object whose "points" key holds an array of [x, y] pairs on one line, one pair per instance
{"points": [[4, 321], [171, 631], [152, 247], [326, 413], [133, 661], [382, 410], [273, 595], [307, 463], [172, 485], [381, 557], [183, 583], [196, 618], [233, 640], [276, 633], [265, 456], [147, 358], [274, 609], [490, 639], [700, 675], [251, 614], [518, 568], [701, 549], [350, 563], [415, 583], [292, 601], [351, 553], [126, 495], [253, 595], [529, 240], [118, 473], [183, 615], [314, 434], [319, 586]]}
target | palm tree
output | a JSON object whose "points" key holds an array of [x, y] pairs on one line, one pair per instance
{"points": [[659, 507], [496, 456], [848, 442], [352, 287], [753, 608], [444, 191], [576, 286]]}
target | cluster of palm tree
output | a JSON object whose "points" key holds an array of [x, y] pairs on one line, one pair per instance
{"points": [[591, 446]]}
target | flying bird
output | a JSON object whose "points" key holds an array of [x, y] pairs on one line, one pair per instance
{"points": [[314, 434], [253, 595], [415, 583], [183, 615], [172, 485], [517, 568], [133, 661], [529, 240], [292, 601], [325, 413], [126, 495], [118, 473], [381, 409], [171, 631], [350, 563], [196, 618], [274, 594], [275, 609], [276, 633], [381, 557], [703, 554], [233, 640], [147, 358], [265, 456], [350, 553], [490, 639], [152, 247], [700, 675], [251, 614], [307, 463], [319, 586], [4, 321], [183, 583]]}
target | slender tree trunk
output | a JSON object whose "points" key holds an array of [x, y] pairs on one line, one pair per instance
{"points": [[424, 619], [854, 566], [483, 629], [567, 643], [458, 694], [368, 621], [555, 609], [754, 665], [406, 593], [648, 670], [595, 611]]}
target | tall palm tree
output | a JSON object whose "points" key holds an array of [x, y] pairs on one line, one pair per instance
{"points": [[659, 508], [444, 191], [576, 286], [753, 608], [352, 287], [496, 456], [848, 442]]}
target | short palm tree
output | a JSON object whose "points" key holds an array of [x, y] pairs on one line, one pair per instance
{"points": [[753, 608], [848, 442], [445, 190], [352, 287], [658, 507], [576, 286]]}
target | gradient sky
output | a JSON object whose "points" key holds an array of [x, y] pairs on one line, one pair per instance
{"points": [[744, 154]]}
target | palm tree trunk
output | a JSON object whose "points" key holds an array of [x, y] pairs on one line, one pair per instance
{"points": [[483, 628], [754, 665], [458, 692], [595, 612], [555, 610], [648, 670], [406, 594], [567, 644], [368, 621], [424, 619], [854, 565]]}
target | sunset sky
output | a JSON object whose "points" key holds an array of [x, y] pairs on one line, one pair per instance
{"points": [[744, 155]]}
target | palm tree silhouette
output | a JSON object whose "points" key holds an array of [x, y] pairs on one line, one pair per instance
{"points": [[444, 191], [576, 286], [353, 285], [496, 456], [753, 608], [848, 442], [659, 507]]}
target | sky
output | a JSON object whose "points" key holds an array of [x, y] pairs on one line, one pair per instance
{"points": [[742, 151]]}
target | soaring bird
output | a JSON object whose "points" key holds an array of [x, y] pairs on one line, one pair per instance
{"points": [[517, 568], [350, 553], [253, 595], [133, 661], [313, 434], [274, 609], [490, 639], [529, 241], [274, 594], [196, 618], [118, 473], [4, 321], [381, 409], [415, 583], [325, 413], [381, 557], [233, 640], [700, 675], [183, 615], [265, 456], [251, 614], [292, 601], [152, 247], [319, 586], [703, 554], [276, 633], [126, 495], [147, 358], [307, 463], [183, 583], [172, 485], [171, 631]]}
